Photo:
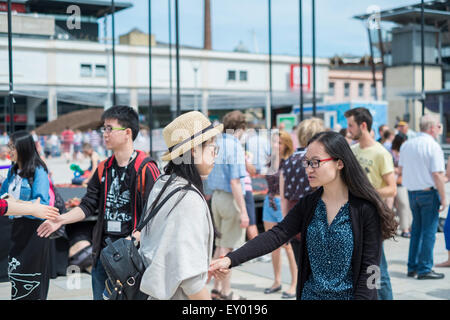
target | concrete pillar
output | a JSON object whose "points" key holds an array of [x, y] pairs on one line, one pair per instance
{"points": [[52, 105], [205, 97], [32, 105], [134, 99]]}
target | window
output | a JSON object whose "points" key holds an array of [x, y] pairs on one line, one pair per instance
{"points": [[373, 91], [86, 70], [231, 75], [361, 89], [331, 89], [100, 70], [346, 89], [243, 75]]}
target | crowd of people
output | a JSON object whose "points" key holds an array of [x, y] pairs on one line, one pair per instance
{"points": [[416, 200], [331, 202], [69, 143]]}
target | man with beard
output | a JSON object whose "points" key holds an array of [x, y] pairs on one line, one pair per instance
{"points": [[377, 162]]}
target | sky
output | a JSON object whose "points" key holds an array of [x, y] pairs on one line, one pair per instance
{"points": [[246, 21]]}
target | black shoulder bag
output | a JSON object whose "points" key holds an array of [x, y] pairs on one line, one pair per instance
{"points": [[123, 263]]}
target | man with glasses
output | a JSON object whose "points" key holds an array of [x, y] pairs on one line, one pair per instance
{"points": [[378, 163], [117, 190]]}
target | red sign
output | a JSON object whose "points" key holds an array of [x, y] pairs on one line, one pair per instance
{"points": [[18, 7], [295, 77], [18, 118]]}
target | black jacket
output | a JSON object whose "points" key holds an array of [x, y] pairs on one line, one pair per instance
{"points": [[366, 233], [94, 201]]}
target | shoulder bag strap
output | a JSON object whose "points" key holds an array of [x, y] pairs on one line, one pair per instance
{"points": [[158, 207]]}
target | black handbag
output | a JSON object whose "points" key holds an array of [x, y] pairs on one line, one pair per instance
{"points": [[123, 264]]}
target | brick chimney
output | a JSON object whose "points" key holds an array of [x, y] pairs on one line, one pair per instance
{"points": [[207, 32]]}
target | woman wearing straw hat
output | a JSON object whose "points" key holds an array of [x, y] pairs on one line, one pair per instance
{"points": [[177, 243]]}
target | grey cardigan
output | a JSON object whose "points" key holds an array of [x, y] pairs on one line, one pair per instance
{"points": [[176, 244]]}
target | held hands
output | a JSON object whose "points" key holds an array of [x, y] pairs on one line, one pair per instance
{"points": [[219, 268], [43, 211], [49, 226]]}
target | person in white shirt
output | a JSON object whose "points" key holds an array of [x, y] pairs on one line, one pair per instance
{"points": [[423, 169]]}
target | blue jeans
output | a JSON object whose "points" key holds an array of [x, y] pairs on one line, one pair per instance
{"points": [[99, 277], [425, 212], [385, 292]]}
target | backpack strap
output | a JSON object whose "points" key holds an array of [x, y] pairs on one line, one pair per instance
{"points": [[100, 168], [158, 207], [142, 162]]}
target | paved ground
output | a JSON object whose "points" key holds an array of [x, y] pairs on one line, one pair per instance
{"points": [[251, 278]]}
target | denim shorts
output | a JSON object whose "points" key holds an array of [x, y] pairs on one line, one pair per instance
{"points": [[269, 214]]}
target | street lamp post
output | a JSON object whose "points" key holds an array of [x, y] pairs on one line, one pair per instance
{"points": [[195, 66], [113, 50], [314, 56], [422, 22], [300, 31], [177, 39], [150, 102], [11, 87], [269, 115]]}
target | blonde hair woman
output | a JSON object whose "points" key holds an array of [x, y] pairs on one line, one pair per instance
{"points": [[282, 148], [294, 183]]}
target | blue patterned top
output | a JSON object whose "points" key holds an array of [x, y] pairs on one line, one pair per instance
{"points": [[330, 249]]}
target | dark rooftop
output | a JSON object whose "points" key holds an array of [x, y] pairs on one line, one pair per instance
{"points": [[435, 12], [91, 8]]}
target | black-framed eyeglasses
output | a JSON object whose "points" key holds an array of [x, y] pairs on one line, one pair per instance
{"points": [[315, 163]]}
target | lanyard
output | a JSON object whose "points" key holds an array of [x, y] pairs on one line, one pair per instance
{"points": [[113, 173]]}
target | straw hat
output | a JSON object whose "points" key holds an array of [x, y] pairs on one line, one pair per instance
{"points": [[186, 132]]}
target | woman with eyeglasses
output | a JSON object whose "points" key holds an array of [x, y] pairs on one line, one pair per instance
{"points": [[342, 226], [27, 180]]}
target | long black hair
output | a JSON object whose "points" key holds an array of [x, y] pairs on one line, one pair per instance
{"points": [[27, 154], [356, 179], [184, 167], [186, 170]]}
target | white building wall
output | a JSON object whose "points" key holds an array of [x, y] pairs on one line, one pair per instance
{"points": [[46, 64]]}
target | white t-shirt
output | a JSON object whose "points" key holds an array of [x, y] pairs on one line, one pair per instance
{"points": [[419, 158], [14, 186]]}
